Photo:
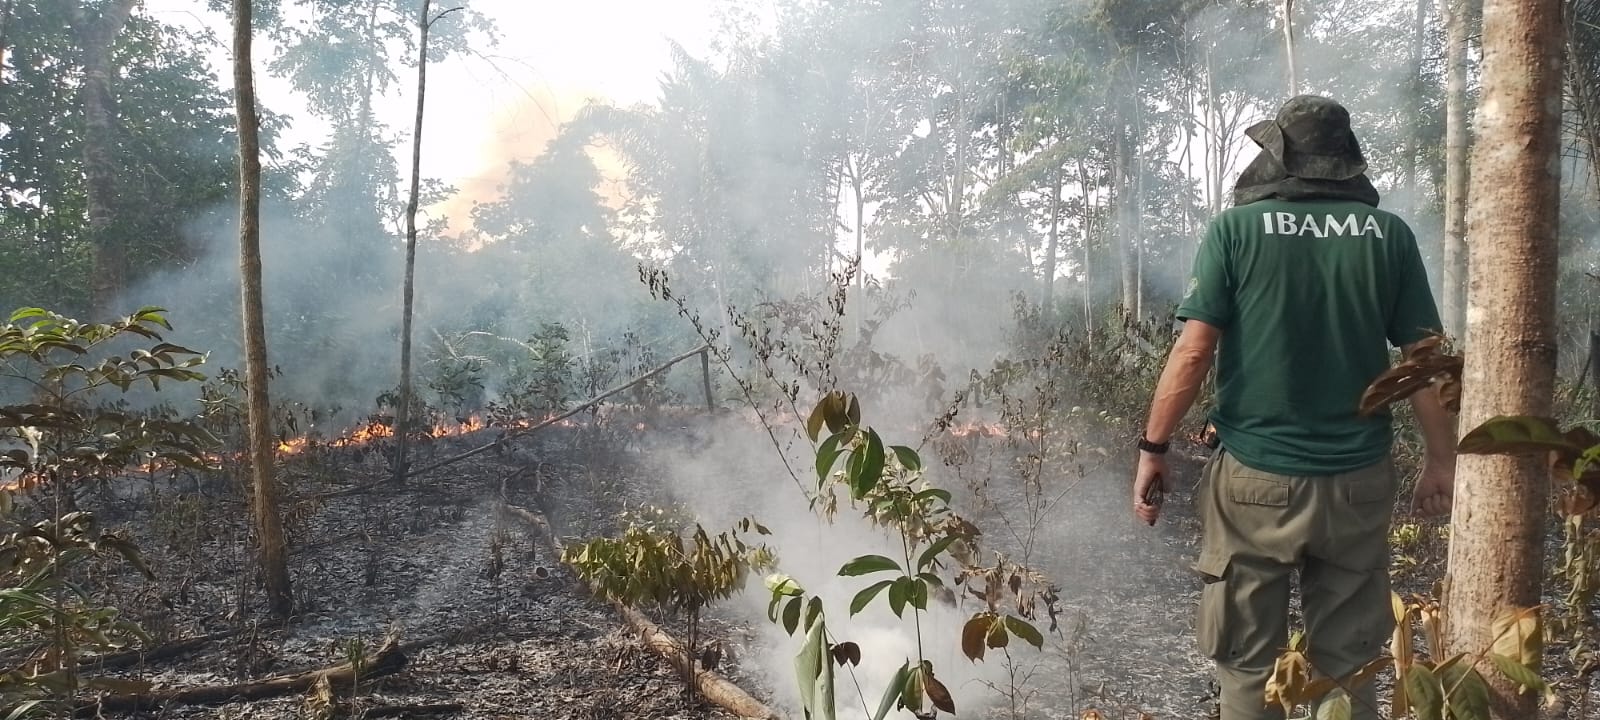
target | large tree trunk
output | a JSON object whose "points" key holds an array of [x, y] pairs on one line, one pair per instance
{"points": [[1452, 281], [98, 34], [269, 526], [1497, 546], [403, 413]]}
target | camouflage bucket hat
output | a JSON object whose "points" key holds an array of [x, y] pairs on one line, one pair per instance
{"points": [[1312, 138]]}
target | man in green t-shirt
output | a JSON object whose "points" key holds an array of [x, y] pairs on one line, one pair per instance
{"points": [[1298, 291]]}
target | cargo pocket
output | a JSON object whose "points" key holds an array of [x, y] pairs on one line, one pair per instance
{"points": [[1211, 623], [1249, 487]]}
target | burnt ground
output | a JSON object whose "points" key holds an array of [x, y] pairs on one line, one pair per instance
{"points": [[422, 561], [432, 559]]}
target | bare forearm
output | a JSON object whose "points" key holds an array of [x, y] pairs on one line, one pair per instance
{"points": [[1176, 391], [1438, 427]]}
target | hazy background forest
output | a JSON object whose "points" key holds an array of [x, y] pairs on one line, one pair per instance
{"points": [[1060, 153], [977, 217]]}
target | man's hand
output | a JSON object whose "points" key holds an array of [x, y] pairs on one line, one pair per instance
{"points": [[1149, 482], [1435, 488]]}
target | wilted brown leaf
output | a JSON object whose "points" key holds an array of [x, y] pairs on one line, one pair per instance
{"points": [[1424, 366]]}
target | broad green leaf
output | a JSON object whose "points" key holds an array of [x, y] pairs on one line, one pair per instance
{"points": [[908, 458], [891, 696], [827, 455], [1515, 435], [939, 493], [869, 469], [899, 594], [1466, 693], [814, 672], [781, 584], [1518, 673], [1334, 708], [864, 598], [866, 565], [1423, 693], [926, 559], [917, 595], [791, 615], [1025, 630]]}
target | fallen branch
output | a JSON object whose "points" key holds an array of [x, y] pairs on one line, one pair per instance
{"points": [[167, 651], [712, 686], [408, 710], [388, 660], [591, 402]]}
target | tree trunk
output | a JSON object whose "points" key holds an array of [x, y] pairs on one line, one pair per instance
{"points": [[1122, 186], [403, 413], [1414, 140], [1497, 547], [98, 34], [269, 526], [1088, 243], [1453, 279], [1052, 246], [1288, 47], [5, 23]]}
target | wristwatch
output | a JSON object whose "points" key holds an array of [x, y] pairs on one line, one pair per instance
{"points": [[1154, 448]]}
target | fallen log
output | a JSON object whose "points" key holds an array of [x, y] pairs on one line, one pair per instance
{"points": [[388, 660], [591, 402], [712, 686]]}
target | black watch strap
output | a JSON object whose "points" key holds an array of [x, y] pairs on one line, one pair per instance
{"points": [[1155, 448]]}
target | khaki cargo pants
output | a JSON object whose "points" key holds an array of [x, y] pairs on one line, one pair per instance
{"points": [[1258, 528]]}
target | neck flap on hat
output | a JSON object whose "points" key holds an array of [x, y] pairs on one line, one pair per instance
{"points": [[1265, 177]]}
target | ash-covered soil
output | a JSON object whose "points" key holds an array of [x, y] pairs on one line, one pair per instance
{"points": [[515, 635]]}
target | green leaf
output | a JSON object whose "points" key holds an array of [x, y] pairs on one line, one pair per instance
{"points": [[925, 560], [813, 611], [1518, 673], [933, 493], [869, 469], [791, 615], [899, 594], [814, 672], [908, 458], [866, 565], [1335, 708], [891, 696], [1423, 693], [1515, 435], [1025, 630], [827, 455], [1466, 694], [864, 598], [918, 594]]}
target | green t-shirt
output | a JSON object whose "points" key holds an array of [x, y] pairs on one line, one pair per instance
{"points": [[1306, 294]]}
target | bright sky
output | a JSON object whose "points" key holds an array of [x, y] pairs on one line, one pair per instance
{"points": [[484, 111]]}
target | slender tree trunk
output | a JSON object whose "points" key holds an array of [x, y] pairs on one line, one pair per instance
{"points": [[5, 24], [269, 526], [1123, 199], [98, 34], [1053, 245], [1288, 47], [1088, 245], [1414, 140], [1453, 279], [403, 413], [1497, 546]]}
